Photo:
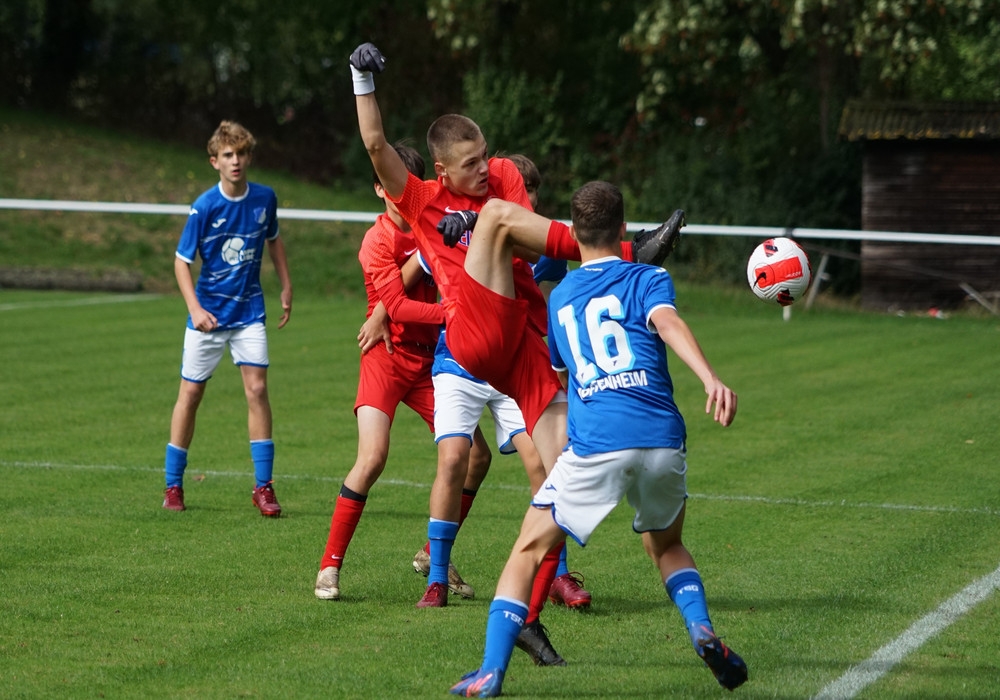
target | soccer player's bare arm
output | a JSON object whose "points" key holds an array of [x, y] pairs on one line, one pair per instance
{"points": [[392, 173], [678, 336], [201, 319], [276, 247]]}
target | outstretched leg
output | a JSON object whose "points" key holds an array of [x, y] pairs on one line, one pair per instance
{"points": [[684, 585]]}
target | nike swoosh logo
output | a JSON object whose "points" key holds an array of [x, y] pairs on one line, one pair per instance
{"points": [[550, 487], [219, 223], [449, 210], [408, 253]]}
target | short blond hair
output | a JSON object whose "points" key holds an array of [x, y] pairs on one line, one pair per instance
{"points": [[234, 135]]}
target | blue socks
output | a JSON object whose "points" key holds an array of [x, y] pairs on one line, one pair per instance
{"points": [[441, 534], [502, 627], [563, 568], [174, 465], [262, 453], [688, 593]]}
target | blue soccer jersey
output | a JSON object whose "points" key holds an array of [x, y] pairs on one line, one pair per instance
{"points": [[620, 392], [229, 235]]}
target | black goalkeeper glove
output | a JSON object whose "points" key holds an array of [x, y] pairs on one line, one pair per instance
{"points": [[453, 225], [365, 61]]}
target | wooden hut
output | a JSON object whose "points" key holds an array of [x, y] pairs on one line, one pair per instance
{"points": [[928, 168]]}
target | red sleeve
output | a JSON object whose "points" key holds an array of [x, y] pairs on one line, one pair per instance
{"points": [[377, 255], [402, 309], [560, 244]]}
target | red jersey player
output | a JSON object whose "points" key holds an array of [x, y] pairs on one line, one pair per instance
{"points": [[385, 380]]}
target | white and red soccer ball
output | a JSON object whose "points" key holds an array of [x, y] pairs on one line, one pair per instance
{"points": [[779, 271]]}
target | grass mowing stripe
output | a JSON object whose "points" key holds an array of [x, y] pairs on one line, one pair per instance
{"points": [[885, 659]]}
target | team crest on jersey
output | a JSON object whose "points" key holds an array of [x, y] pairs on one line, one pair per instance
{"points": [[260, 215]]}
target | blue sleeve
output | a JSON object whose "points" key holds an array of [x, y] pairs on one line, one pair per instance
{"points": [[549, 269], [272, 217], [555, 358], [658, 291], [187, 247]]}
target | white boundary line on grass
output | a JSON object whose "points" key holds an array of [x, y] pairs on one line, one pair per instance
{"points": [[882, 661], [508, 487], [86, 301]]}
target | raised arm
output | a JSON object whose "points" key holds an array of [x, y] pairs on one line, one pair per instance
{"points": [[366, 60]]}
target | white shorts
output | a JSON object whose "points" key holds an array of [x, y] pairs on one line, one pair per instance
{"points": [[582, 491], [203, 351], [459, 404]]}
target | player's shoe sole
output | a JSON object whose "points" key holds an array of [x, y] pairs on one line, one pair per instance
{"points": [[654, 246], [422, 565]]}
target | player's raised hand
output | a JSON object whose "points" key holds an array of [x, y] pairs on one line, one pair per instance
{"points": [[367, 57], [452, 226], [366, 60]]}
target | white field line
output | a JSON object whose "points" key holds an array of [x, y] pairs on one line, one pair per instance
{"points": [[509, 487], [87, 301], [882, 661]]}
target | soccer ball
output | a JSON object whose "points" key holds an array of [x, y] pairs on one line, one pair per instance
{"points": [[779, 271], [232, 250]]}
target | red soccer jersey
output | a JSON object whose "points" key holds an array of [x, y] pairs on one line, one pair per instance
{"points": [[425, 202], [415, 316]]}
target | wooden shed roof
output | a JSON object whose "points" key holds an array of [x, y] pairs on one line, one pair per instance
{"points": [[863, 120]]}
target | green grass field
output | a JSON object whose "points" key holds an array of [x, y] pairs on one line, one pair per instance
{"points": [[854, 495]]}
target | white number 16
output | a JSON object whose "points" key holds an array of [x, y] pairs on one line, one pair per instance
{"points": [[604, 333]]}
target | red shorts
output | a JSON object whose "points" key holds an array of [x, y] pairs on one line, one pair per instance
{"points": [[490, 336], [387, 380]]}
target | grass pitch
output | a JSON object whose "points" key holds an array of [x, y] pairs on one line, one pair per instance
{"points": [[855, 493]]}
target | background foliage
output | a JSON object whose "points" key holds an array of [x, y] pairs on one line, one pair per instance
{"points": [[727, 108]]}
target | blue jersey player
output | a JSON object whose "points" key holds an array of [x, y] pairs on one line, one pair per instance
{"points": [[608, 324], [228, 228]]}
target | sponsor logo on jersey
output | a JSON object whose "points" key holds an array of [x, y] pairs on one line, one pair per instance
{"points": [[234, 251], [613, 382], [218, 223]]}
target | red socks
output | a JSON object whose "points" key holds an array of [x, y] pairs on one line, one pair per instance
{"points": [[346, 514], [543, 582]]}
